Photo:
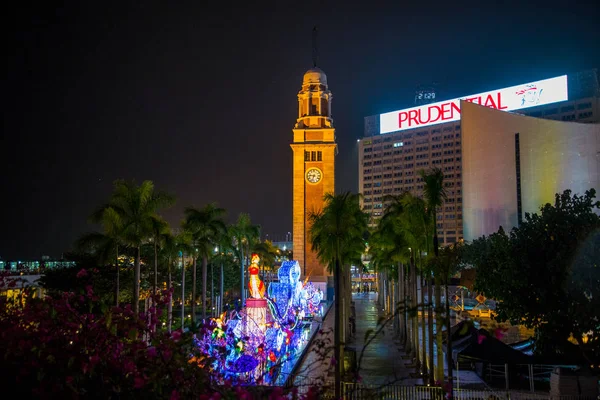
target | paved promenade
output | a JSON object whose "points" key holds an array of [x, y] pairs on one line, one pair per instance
{"points": [[383, 359]]}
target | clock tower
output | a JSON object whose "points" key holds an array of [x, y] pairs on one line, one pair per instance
{"points": [[314, 151]]}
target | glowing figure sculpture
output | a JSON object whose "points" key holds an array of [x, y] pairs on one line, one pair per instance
{"points": [[260, 343], [256, 286]]}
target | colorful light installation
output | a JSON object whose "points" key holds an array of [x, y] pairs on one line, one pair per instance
{"points": [[255, 285], [260, 343]]}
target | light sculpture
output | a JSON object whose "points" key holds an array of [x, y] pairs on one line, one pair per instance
{"points": [[260, 343]]}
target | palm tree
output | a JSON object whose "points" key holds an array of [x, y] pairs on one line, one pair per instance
{"points": [[184, 246], [159, 228], [206, 226], [267, 253], [131, 211], [447, 262], [435, 195], [168, 253], [336, 234], [106, 248], [389, 247], [244, 234], [415, 227]]}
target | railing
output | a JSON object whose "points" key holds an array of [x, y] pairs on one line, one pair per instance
{"points": [[353, 391]]}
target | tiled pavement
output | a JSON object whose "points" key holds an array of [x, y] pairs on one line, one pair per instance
{"points": [[383, 361], [383, 358]]}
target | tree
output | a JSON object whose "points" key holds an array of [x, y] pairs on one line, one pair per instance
{"points": [[160, 227], [244, 235], [435, 195], [73, 345], [267, 253], [169, 252], [416, 224], [545, 273], [131, 211], [64, 279], [389, 248], [184, 246], [105, 248], [336, 234], [206, 226]]}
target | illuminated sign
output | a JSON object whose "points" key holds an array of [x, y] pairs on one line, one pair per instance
{"points": [[508, 99]]}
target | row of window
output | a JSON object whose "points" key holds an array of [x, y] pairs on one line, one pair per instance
{"points": [[410, 158], [313, 156]]}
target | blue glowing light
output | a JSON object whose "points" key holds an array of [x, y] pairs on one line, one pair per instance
{"points": [[259, 343]]}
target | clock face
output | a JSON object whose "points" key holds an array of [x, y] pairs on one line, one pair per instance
{"points": [[314, 175]]}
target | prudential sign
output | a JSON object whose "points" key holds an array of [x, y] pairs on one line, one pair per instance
{"points": [[508, 99]]}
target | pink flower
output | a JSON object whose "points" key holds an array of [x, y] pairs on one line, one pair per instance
{"points": [[94, 360], [174, 395], [152, 352], [82, 274], [69, 380], [139, 382], [176, 335], [128, 366]]}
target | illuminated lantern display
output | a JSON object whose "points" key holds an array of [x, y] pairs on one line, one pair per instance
{"points": [[256, 286], [261, 342]]}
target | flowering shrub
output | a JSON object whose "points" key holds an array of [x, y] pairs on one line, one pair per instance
{"points": [[75, 346]]}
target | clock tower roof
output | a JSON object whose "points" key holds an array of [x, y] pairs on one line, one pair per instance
{"points": [[315, 75]]}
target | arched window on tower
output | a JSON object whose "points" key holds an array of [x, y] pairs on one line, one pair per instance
{"points": [[314, 106]]}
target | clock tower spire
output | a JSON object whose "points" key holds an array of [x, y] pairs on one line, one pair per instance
{"points": [[314, 151]]}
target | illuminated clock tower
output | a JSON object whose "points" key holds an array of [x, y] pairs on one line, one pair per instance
{"points": [[314, 151]]}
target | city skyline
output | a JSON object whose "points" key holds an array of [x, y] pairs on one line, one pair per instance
{"points": [[149, 93]]}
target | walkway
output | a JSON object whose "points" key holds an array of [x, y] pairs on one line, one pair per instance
{"points": [[383, 361]]}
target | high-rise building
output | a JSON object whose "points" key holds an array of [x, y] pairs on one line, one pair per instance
{"points": [[398, 144], [314, 151], [513, 164]]}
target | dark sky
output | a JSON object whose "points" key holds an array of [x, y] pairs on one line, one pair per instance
{"points": [[200, 97]]}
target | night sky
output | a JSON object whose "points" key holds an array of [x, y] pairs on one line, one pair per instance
{"points": [[201, 97]]}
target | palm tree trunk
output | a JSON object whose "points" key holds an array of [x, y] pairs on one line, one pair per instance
{"points": [[242, 297], [337, 330], [182, 291], [400, 304], [413, 304], [423, 331], [136, 283], [170, 303], [449, 346], [407, 305], [430, 328], [155, 266], [403, 303], [204, 287], [221, 292], [118, 276], [438, 330], [194, 292]]}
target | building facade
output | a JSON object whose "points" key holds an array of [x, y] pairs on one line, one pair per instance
{"points": [[314, 151], [513, 164], [398, 144]]}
